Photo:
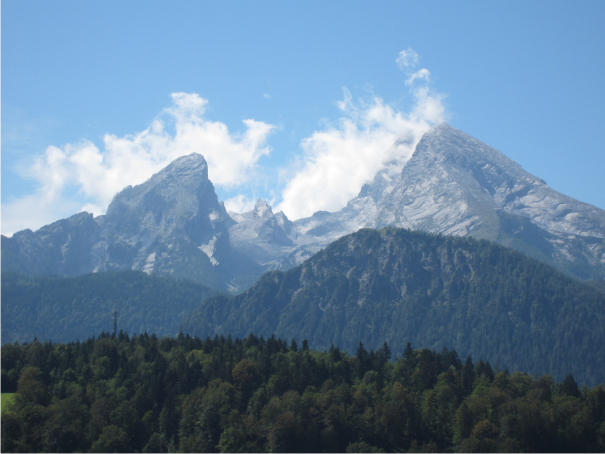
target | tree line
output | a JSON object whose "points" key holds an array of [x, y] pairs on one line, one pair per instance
{"points": [[185, 394]]}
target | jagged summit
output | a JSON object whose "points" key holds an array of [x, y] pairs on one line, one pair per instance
{"points": [[452, 184], [172, 224], [188, 172], [176, 194], [480, 174], [446, 143], [262, 207], [191, 164], [261, 234]]}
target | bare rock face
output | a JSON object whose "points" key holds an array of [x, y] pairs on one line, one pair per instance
{"points": [[262, 235], [63, 247], [457, 185], [173, 224]]}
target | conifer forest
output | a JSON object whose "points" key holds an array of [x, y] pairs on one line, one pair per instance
{"points": [[143, 393]]}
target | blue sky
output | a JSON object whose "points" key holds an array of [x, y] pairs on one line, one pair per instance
{"points": [[98, 95]]}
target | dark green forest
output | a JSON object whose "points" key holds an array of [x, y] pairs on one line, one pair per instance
{"points": [[64, 309], [149, 394], [476, 297]]}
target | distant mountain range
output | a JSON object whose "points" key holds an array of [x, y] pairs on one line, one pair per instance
{"points": [[174, 225]]}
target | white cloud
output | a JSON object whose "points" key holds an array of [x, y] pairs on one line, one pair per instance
{"points": [[407, 59], [333, 164], [419, 75], [34, 211], [337, 161], [240, 204], [97, 175]]}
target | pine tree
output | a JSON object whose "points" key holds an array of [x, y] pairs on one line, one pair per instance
{"points": [[305, 345], [362, 360], [293, 346], [468, 375], [570, 387], [386, 351]]}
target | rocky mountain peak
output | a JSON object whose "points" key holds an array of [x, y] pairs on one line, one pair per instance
{"points": [[186, 168], [453, 184], [262, 208], [178, 193], [186, 173], [453, 148], [284, 222]]}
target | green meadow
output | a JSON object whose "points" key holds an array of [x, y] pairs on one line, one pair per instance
{"points": [[6, 398]]}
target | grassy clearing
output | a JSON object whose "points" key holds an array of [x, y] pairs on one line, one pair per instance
{"points": [[6, 398]]}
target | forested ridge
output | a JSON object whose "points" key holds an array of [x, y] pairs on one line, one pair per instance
{"points": [[150, 394], [64, 309], [434, 291]]}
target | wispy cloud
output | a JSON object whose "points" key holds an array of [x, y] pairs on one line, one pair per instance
{"points": [[95, 175], [240, 203], [407, 59], [332, 165], [423, 74], [337, 161]]}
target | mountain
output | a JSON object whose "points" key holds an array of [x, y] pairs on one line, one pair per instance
{"points": [[456, 185], [173, 224], [400, 286], [64, 309], [475, 190], [261, 235]]}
